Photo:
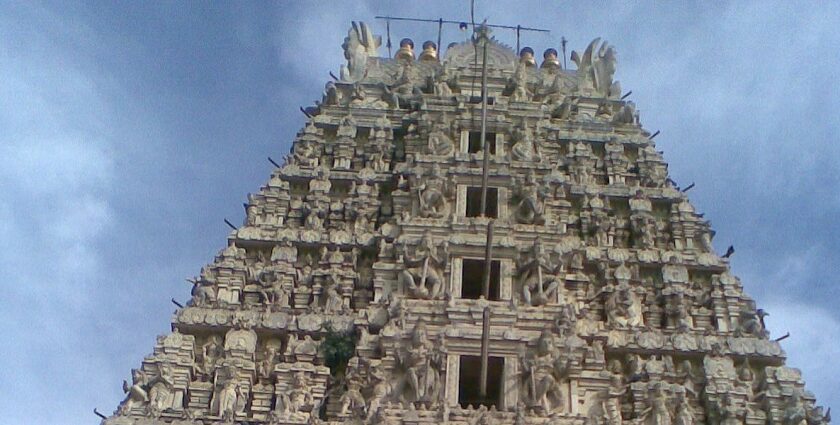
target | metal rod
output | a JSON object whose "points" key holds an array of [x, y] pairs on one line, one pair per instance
{"points": [[510, 27], [488, 260], [440, 30], [485, 343], [484, 144], [563, 42], [388, 31], [230, 224], [517, 38], [274, 163]]}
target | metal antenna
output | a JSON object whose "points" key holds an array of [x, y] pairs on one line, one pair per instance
{"points": [[563, 42], [441, 21], [388, 31]]}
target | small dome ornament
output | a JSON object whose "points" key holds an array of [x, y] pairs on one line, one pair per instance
{"points": [[429, 53], [406, 51], [550, 60], [526, 56]]}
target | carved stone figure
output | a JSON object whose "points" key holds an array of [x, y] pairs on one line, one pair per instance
{"points": [[423, 276], [439, 141], [136, 394], [596, 69], [306, 153], [422, 365], [545, 370], [537, 275], [298, 400], [529, 194], [433, 194], [519, 85], [657, 412], [203, 293], [683, 414], [524, 147], [359, 44]]}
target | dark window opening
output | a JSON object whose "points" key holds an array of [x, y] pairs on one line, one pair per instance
{"points": [[474, 142], [476, 100], [474, 202], [472, 279], [469, 382]]}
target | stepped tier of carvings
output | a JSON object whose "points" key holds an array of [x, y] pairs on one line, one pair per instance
{"points": [[608, 304]]}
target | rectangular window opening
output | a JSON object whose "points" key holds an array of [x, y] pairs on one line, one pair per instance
{"points": [[469, 382], [472, 279], [474, 142], [474, 202]]}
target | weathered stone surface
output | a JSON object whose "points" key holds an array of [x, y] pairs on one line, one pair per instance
{"points": [[353, 291]]}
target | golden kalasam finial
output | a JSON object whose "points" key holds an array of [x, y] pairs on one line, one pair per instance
{"points": [[406, 51], [550, 59], [429, 52], [526, 56]]}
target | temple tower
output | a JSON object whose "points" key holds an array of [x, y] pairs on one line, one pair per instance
{"points": [[354, 292]]}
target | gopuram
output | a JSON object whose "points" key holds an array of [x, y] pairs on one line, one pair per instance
{"points": [[405, 267]]}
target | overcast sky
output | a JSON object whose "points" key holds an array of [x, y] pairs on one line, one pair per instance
{"points": [[129, 130]]}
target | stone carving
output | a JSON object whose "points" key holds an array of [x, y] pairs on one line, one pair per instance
{"points": [[306, 153], [628, 316], [423, 275], [544, 371], [529, 195], [422, 364], [540, 277], [359, 44], [433, 193], [439, 141], [596, 69], [518, 85], [525, 148]]}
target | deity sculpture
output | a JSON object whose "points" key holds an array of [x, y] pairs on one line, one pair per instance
{"points": [[321, 183], [657, 412], [545, 370], [423, 275], [433, 194], [596, 69], [297, 400], [519, 85], [359, 44], [306, 153], [422, 363], [136, 394], [642, 222], [439, 141], [529, 194], [525, 148], [539, 276], [203, 293]]}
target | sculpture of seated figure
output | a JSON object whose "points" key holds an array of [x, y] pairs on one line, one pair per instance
{"points": [[519, 84], [530, 208], [524, 147], [136, 394], [423, 276], [403, 86], [298, 399], [544, 371], [321, 183], [439, 141], [537, 288], [347, 127], [433, 193], [441, 85], [306, 153]]}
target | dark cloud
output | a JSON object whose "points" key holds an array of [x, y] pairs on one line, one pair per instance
{"points": [[129, 130]]}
